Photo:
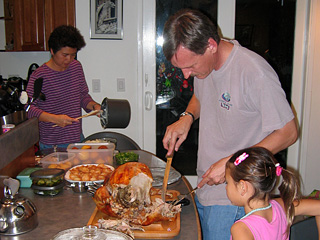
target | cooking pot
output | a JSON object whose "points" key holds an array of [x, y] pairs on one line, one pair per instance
{"points": [[14, 118], [17, 214], [115, 113]]}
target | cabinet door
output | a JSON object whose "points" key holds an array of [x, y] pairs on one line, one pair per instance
{"points": [[58, 12], [29, 25]]}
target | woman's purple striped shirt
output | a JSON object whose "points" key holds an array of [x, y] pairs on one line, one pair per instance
{"points": [[66, 92]]}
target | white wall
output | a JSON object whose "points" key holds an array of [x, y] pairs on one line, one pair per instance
{"points": [[309, 165], [108, 60]]}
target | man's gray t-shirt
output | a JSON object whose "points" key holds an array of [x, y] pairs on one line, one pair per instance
{"points": [[241, 104]]}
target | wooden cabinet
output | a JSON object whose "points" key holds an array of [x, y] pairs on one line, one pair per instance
{"points": [[58, 12], [34, 20], [28, 18]]}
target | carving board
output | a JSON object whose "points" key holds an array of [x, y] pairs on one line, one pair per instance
{"points": [[157, 230]]}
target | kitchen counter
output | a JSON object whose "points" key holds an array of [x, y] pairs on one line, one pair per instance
{"points": [[17, 148], [73, 210]]}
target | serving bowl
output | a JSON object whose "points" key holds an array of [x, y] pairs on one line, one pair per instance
{"points": [[80, 186]]}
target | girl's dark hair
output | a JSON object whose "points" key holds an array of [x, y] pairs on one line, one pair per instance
{"points": [[189, 28], [259, 169], [65, 36]]}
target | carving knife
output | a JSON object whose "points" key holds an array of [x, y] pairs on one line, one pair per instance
{"points": [[166, 177]]}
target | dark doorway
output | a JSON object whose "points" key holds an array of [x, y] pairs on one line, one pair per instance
{"points": [[267, 28]]}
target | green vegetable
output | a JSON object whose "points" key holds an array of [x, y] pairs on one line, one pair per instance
{"points": [[49, 182], [41, 182], [125, 157]]}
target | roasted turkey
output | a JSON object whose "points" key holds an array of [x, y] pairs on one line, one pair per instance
{"points": [[126, 194]]}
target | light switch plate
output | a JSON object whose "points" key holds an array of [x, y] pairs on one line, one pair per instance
{"points": [[96, 85], [121, 85]]}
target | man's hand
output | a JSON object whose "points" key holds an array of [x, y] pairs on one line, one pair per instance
{"points": [[215, 174], [176, 133]]}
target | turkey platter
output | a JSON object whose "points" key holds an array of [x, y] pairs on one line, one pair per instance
{"points": [[126, 194]]}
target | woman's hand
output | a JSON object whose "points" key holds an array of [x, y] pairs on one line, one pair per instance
{"points": [[64, 120]]}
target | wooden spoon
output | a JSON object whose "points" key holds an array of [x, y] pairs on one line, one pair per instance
{"points": [[95, 112]]}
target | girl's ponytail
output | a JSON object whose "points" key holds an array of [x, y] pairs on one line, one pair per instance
{"points": [[289, 192]]}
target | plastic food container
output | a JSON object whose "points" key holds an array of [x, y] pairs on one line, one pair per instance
{"points": [[24, 177], [92, 153], [62, 160], [47, 181], [48, 191]]}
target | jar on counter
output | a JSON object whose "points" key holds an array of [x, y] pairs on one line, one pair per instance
{"points": [[7, 127]]}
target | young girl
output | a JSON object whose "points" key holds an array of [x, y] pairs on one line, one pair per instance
{"points": [[251, 176]]}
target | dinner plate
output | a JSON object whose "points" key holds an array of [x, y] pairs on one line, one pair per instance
{"points": [[67, 176], [158, 174]]}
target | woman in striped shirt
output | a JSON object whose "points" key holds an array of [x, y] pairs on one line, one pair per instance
{"points": [[65, 89]]}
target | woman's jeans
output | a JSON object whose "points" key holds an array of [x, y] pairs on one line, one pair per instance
{"points": [[62, 146]]}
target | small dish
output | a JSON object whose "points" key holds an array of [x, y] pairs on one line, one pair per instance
{"points": [[158, 174]]}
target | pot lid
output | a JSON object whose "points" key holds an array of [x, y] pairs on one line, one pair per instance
{"points": [[47, 173]]}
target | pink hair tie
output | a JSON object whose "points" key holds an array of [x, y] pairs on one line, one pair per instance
{"points": [[241, 158], [278, 169]]}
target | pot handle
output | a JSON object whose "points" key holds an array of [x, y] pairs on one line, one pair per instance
{"points": [[3, 226]]}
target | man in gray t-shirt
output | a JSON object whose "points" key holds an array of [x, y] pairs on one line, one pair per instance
{"points": [[240, 103]]}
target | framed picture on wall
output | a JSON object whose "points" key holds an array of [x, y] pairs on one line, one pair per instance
{"points": [[106, 19]]}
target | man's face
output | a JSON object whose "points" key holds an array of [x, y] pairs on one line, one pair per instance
{"points": [[63, 57], [193, 64]]}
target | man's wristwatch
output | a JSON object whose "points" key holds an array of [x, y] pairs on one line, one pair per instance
{"points": [[187, 113]]}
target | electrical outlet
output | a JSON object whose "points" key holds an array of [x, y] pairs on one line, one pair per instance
{"points": [[96, 85], [121, 85]]}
